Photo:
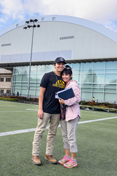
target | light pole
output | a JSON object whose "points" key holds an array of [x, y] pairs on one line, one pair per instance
{"points": [[32, 22]]}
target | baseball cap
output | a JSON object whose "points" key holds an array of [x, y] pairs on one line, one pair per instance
{"points": [[59, 59]]}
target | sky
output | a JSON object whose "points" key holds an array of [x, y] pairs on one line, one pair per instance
{"points": [[103, 12]]}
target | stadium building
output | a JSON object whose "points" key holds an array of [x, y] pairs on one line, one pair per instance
{"points": [[89, 48]]}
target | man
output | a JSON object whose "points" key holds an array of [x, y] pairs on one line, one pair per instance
{"points": [[49, 110]]}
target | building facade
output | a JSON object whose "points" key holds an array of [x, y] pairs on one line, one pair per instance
{"points": [[5, 81], [89, 48]]}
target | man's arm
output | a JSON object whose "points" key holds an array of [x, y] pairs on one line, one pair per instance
{"points": [[41, 96]]}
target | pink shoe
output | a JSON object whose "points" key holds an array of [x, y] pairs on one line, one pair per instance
{"points": [[70, 164], [64, 160]]}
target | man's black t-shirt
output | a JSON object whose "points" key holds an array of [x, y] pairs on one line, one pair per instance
{"points": [[53, 84]]}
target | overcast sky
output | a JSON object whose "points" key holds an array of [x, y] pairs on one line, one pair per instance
{"points": [[100, 11]]}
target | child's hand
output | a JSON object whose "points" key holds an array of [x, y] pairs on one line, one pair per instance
{"points": [[61, 101]]}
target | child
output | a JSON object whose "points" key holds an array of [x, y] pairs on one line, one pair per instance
{"points": [[69, 119]]}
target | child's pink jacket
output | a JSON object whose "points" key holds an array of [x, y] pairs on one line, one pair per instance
{"points": [[73, 109]]}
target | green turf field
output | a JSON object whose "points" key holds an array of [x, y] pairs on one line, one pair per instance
{"points": [[97, 144]]}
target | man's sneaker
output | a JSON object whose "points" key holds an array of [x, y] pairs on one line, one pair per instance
{"points": [[36, 160], [70, 164], [51, 159], [64, 160]]}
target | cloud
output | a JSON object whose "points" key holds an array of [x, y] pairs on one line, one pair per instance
{"points": [[100, 11]]}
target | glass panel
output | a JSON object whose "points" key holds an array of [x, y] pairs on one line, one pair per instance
{"points": [[98, 65], [25, 70], [24, 77], [76, 66], [17, 90], [99, 86], [33, 85], [33, 69], [110, 78], [110, 97], [41, 69], [98, 96], [75, 77], [110, 90], [112, 64], [98, 90], [98, 71], [111, 71], [86, 96], [98, 78], [25, 84], [87, 78], [18, 77], [37, 92], [49, 68], [86, 90], [33, 78], [87, 72], [86, 85], [32, 93], [38, 79], [87, 66], [110, 86], [18, 70], [24, 92]]}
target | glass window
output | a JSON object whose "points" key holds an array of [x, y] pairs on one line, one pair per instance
{"points": [[24, 77], [32, 92], [110, 97], [18, 78], [87, 66], [1, 79], [33, 69], [49, 68], [110, 90], [112, 64], [41, 69], [87, 78], [98, 78], [75, 77], [8, 91], [18, 70], [24, 92], [110, 78], [2, 91], [86, 96], [86, 85], [99, 86], [110, 86], [76, 66], [25, 70], [33, 77], [38, 79], [98, 71], [86, 90], [37, 92], [8, 79], [98, 90], [98, 65], [98, 96], [24, 85], [111, 70]]}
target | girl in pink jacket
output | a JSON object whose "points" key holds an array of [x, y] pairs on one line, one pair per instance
{"points": [[69, 119]]}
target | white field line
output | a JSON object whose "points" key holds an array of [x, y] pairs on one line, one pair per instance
{"points": [[13, 111], [33, 129]]}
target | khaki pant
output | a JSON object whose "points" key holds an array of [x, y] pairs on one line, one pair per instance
{"points": [[69, 130], [42, 123]]}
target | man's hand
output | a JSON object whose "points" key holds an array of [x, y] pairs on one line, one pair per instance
{"points": [[40, 114]]}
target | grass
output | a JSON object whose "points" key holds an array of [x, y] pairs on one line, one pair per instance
{"points": [[97, 145]]}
